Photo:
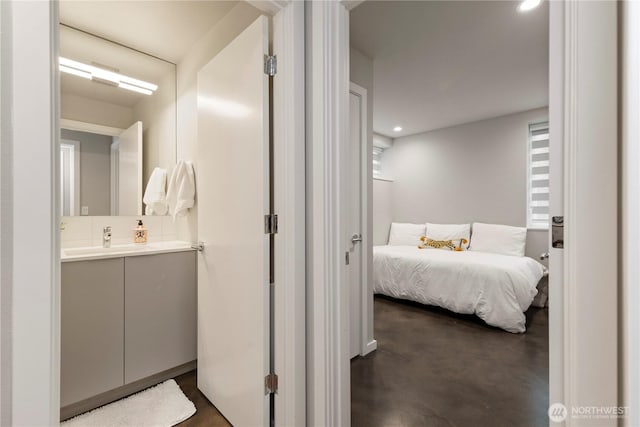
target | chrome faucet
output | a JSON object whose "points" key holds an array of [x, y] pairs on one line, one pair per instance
{"points": [[106, 237]]}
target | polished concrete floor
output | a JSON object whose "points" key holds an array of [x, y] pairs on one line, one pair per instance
{"points": [[206, 414], [435, 368]]}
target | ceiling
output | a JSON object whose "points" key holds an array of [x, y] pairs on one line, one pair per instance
{"points": [[166, 29], [439, 64]]}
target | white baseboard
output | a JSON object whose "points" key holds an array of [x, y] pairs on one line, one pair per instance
{"points": [[371, 346]]}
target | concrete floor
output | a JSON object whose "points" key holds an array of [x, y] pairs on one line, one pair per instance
{"points": [[437, 368], [206, 414]]}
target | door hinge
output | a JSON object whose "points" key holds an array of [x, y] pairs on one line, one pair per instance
{"points": [[270, 65], [271, 384], [271, 224]]}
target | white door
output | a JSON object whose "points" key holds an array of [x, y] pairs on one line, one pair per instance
{"points": [[70, 177], [233, 198], [130, 171], [356, 187]]}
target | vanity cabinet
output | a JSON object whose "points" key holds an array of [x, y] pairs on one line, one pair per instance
{"points": [[160, 313], [92, 328], [127, 323]]}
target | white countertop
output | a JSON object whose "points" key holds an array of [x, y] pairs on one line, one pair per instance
{"points": [[119, 251]]}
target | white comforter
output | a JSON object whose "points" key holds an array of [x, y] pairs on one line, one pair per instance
{"points": [[497, 288]]}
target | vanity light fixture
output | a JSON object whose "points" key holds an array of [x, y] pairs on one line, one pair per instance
{"points": [[397, 129], [527, 5], [100, 74]]}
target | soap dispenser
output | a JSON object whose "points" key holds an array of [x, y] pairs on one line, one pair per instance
{"points": [[140, 233]]}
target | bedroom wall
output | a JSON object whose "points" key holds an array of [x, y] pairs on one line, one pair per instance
{"points": [[382, 191], [382, 211], [474, 172]]}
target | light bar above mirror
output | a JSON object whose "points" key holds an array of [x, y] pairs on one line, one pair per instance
{"points": [[103, 75]]}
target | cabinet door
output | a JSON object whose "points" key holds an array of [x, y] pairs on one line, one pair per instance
{"points": [[92, 328], [160, 313]]}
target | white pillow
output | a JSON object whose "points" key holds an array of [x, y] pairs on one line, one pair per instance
{"points": [[498, 239], [453, 232], [403, 234]]}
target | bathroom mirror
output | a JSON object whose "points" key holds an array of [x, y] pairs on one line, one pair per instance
{"points": [[118, 123]]}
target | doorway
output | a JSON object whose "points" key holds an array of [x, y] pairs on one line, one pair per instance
{"points": [[358, 255], [446, 179], [597, 22]]}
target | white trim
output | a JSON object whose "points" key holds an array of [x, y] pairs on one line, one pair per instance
{"points": [[89, 127], [327, 48], [351, 4], [289, 204], [368, 343], [379, 178], [6, 212], [31, 194], [75, 181], [114, 182], [269, 7], [588, 355], [556, 198], [630, 227]]}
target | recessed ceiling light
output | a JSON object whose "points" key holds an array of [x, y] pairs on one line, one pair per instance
{"points": [[397, 129], [527, 5]]}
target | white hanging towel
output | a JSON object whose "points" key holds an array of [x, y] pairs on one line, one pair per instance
{"points": [[155, 197], [181, 190]]}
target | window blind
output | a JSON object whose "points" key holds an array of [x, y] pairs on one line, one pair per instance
{"points": [[377, 162], [538, 176]]}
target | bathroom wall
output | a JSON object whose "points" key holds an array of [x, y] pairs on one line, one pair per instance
{"points": [[80, 231], [239, 18], [158, 114], [95, 170], [79, 108], [87, 231]]}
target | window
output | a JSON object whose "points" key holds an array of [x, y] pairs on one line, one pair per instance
{"points": [[377, 162], [538, 176]]}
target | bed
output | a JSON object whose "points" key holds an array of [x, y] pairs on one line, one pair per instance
{"points": [[497, 288]]}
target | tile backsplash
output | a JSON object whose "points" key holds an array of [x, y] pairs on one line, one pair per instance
{"points": [[79, 231]]}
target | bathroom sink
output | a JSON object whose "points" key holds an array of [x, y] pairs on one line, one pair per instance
{"points": [[128, 250], [97, 250]]}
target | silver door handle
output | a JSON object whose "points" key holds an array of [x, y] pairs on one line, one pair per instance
{"points": [[544, 256], [356, 238]]}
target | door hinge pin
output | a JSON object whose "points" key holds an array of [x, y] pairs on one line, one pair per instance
{"points": [[270, 65], [271, 384], [271, 224]]}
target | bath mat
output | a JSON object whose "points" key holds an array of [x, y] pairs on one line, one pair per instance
{"points": [[163, 405]]}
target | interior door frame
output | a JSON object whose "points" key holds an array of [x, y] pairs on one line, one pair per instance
{"points": [[367, 341], [30, 203], [573, 24], [584, 353], [289, 184], [630, 227]]}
